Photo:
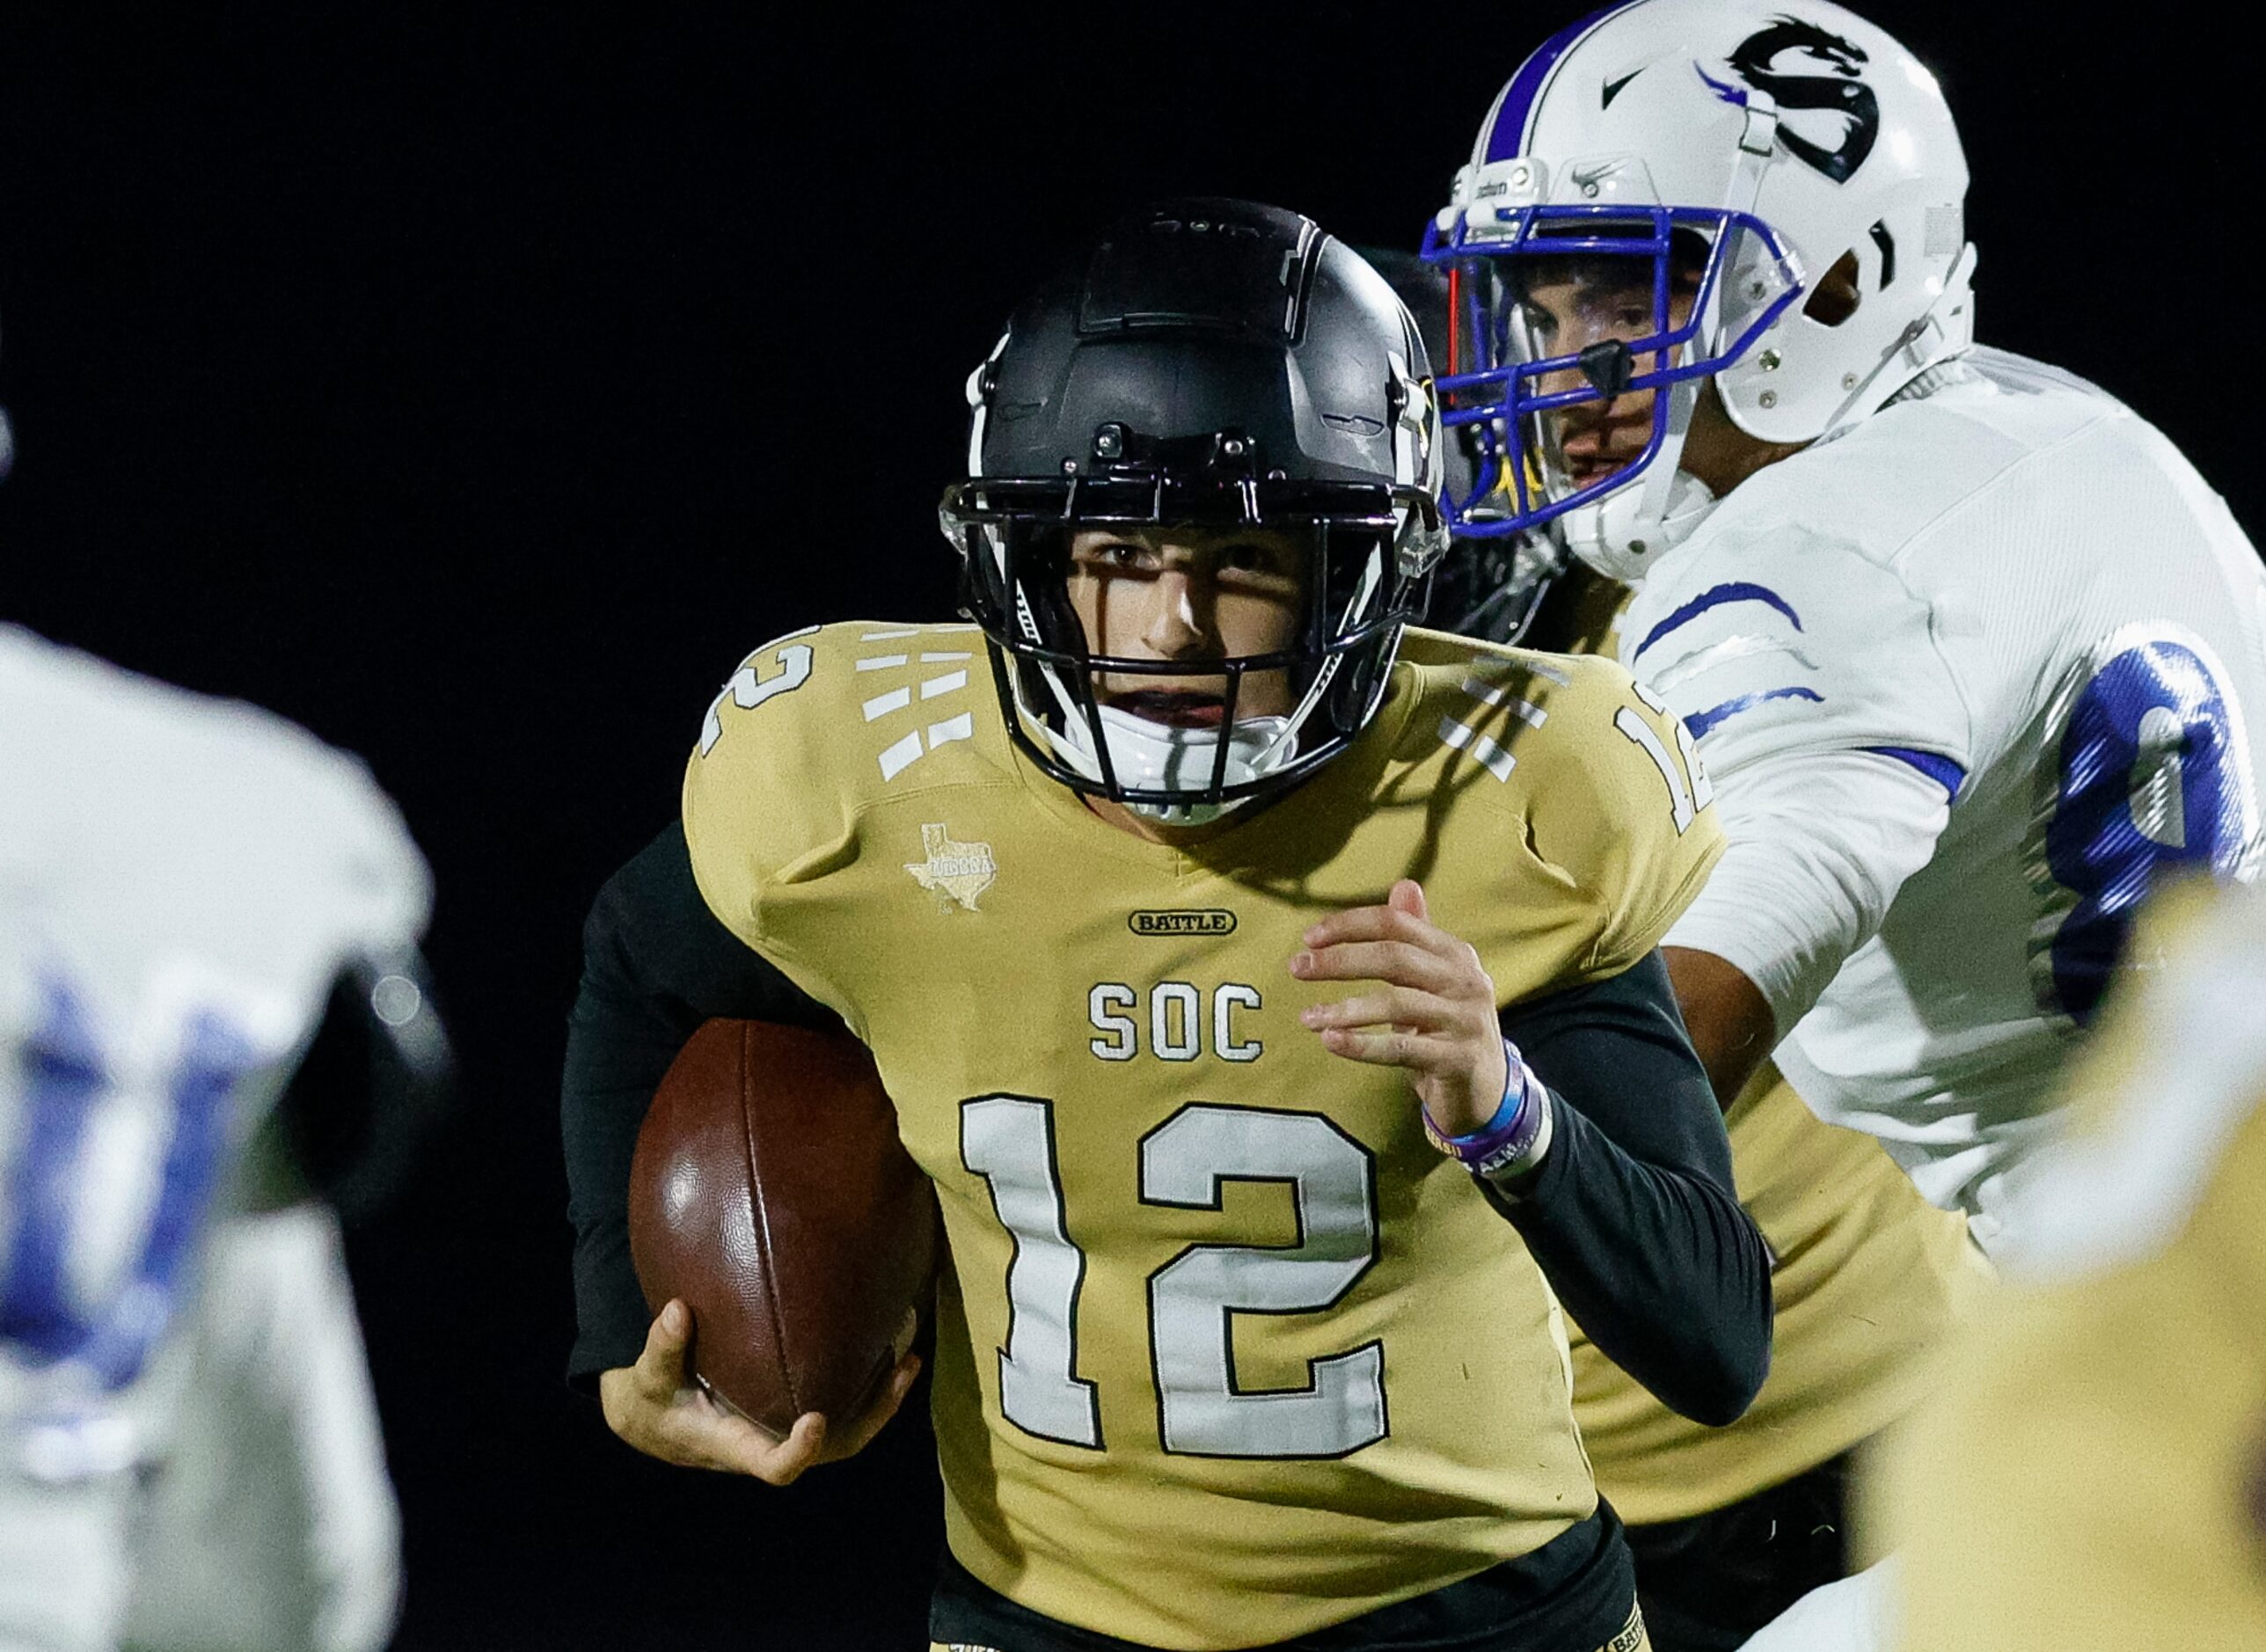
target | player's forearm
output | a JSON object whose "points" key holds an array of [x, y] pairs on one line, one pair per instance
{"points": [[1632, 1216], [1661, 1267]]}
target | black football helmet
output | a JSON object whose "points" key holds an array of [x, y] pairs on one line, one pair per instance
{"points": [[1210, 363]]}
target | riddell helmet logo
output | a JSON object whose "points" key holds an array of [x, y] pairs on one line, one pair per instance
{"points": [[1829, 117]]}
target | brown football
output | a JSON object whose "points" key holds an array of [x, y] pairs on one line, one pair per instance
{"points": [[769, 1192]]}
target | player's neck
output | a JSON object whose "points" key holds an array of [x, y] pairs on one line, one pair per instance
{"points": [[1719, 454]]}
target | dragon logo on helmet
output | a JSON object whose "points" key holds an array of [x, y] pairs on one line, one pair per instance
{"points": [[1837, 106]]}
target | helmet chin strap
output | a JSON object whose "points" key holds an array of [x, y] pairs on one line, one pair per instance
{"points": [[1147, 757], [1622, 535], [1150, 756], [1170, 757]]}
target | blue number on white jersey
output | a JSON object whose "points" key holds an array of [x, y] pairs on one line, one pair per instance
{"points": [[2153, 774], [67, 1082]]}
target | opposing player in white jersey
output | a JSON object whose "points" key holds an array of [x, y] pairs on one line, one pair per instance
{"points": [[192, 895], [1970, 652]]}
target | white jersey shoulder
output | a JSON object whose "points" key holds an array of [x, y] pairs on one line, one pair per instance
{"points": [[139, 820], [181, 880], [2016, 586]]}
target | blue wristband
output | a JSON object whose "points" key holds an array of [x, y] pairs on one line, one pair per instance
{"points": [[1514, 1139]]}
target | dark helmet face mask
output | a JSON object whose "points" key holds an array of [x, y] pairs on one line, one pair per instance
{"points": [[1370, 551], [1217, 370]]}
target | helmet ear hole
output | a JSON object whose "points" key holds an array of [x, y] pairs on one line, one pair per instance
{"points": [[1837, 293]]}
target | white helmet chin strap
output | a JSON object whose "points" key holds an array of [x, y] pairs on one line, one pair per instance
{"points": [[1156, 756], [1149, 755]]}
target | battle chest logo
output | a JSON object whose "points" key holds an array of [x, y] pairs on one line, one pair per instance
{"points": [[1211, 921], [1830, 120], [956, 873]]}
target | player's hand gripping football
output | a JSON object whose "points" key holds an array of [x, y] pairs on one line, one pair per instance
{"points": [[656, 1407], [1430, 1007]]}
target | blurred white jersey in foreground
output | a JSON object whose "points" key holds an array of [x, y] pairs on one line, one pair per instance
{"points": [[182, 881]]}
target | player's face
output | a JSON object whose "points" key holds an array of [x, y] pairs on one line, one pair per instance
{"points": [[1189, 595], [1570, 304]]}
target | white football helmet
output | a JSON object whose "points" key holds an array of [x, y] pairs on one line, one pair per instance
{"points": [[1770, 140]]}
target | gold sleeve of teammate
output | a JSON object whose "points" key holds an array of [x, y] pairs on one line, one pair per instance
{"points": [[2085, 1481]]}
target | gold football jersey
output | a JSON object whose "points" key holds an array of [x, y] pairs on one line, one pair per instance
{"points": [[2092, 1473], [1226, 1352]]}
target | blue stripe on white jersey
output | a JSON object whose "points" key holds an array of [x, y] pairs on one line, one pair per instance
{"points": [[1701, 722], [1716, 596]]}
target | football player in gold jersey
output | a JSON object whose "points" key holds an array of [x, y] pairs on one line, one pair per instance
{"points": [[2088, 1476], [1241, 1344]]}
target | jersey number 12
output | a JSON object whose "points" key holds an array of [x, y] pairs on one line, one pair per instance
{"points": [[1009, 1140]]}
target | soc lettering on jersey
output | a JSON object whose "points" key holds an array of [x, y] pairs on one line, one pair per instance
{"points": [[1195, 1256]]}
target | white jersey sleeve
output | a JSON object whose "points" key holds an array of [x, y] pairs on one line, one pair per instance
{"points": [[1834, 731], [1819, 844], [2010, 587], [1781, 640]]}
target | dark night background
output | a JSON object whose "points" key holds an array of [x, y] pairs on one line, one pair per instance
{"points": [[475, 385]]}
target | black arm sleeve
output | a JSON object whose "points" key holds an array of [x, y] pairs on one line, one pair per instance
{"points": [[1633, 1216], [655, 964]]}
